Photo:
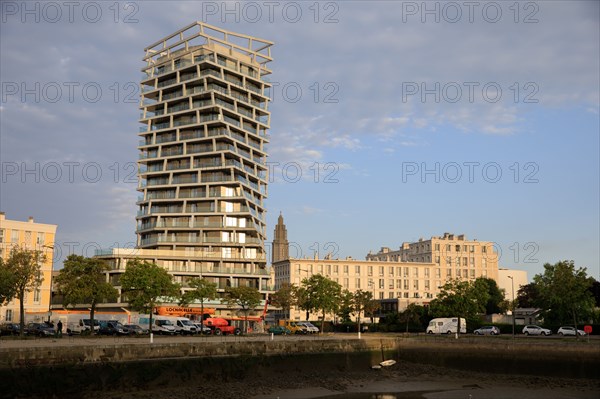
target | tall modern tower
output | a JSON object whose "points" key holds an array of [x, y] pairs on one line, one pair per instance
{"points": [[202, 167], [281, 246]]}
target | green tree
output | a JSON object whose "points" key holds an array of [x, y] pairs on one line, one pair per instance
{"points": [[528, 296], [203, 290], [371, 308], [321, 294], [7, 283], [496, 302], [565, 293], [461, 299], [146, 285], [346, 306], [362, 301], [25, 268], [83, 280], [284, 297], [412, 314], [247, 298]]}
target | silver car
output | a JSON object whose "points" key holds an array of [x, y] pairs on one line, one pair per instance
{"points": [[536, 330], [570, 331], [487, 330]]}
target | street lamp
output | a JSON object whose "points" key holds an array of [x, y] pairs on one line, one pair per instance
{"points": [[512, 283]]}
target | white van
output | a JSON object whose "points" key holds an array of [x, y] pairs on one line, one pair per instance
{"points": [[446, 325], [183, 325], [159, 325]]}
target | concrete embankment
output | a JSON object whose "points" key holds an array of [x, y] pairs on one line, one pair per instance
{"points": [[71, 369]]}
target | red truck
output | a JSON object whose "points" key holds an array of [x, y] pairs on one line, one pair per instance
{"points": [[220, 326]]}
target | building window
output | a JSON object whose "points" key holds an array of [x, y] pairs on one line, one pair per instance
{"points": [[37, 296], [9, 315], [391, 295], [457, 248], [416, 285], [449, 273], [464, 261], [381, 270], [484, 250], [357, 270], [472, 262], [406, 272], [472, 273], [1, 236], [427, 285], [399, 284], [472, 248], [438, 273], [437, 247], [346, 269], [328, 270], [14, 237], [357, 283], [346, 283], [405, 287], [427, 272], [381, 295], [448, 248], [406, 295], [381, 283], [391, 271], [391, 285], [415, 272], [370, 270], [336, 269], [448, 261]]}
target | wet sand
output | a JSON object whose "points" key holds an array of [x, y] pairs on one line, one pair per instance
{"points": [[410, 379]]}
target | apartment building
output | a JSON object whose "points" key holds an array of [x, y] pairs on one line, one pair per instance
{"points": [[454, 255], [33, 236], [408, 282], [202, 158]]}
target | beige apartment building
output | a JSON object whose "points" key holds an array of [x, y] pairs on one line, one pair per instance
{"points": [[33, 236], [453, 255], [202, 158], [413, 274]]}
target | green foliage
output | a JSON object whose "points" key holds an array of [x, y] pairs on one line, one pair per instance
{"points": [[564, 293], [460, 298], [319, 294], [411, 315], [528, 296], [496, 302], [7, 283], [284, 297], [346, 306], [363, 304], [24, 268], [83, 280], [146, 285], [203, 290], [247, 298]]}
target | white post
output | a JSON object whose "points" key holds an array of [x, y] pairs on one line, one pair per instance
{"points": [[151, 338], [272, 336]]}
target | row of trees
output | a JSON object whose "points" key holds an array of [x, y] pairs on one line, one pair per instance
{"points": [[321, 295], [144, 285], [565, 293]]}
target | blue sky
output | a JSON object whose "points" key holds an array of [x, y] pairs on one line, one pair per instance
{"points": [[406, 120]]}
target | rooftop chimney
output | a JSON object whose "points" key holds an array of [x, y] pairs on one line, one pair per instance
{"points": [[30, 219]]}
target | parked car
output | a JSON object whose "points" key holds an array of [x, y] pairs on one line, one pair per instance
{"points": [[134, 329], [311, 328], [112, 328], [487, 330], [279, 330], [536, 330], [570, 331], [40, 329], [10, 329], [203, 328]]}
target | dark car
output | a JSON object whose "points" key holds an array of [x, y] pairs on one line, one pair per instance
{"points": [[279, 330], [40, 329], [112, 328], [134, 329], [10, 329], [487, 330]]}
